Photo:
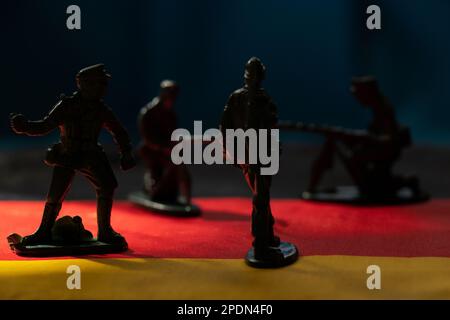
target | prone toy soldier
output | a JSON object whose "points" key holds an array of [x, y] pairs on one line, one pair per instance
{"points": [[80, 118], [252, 108]]}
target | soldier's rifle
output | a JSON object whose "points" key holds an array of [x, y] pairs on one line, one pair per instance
{"points": [[401, 139]]}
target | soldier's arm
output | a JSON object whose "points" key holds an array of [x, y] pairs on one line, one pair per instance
{"points": [[226, 122], [21, 125], [146, 128], [118, 132]]}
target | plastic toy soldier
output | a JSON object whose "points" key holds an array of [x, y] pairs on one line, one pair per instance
{"points": [[251, 108], [80, 118], [368, 155], [167, 187]]}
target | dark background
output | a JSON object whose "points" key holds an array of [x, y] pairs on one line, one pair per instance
{"points": [[311, 49]]}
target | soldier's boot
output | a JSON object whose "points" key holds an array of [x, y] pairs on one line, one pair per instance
{"points": [[106, 233], [184, 185], [266, 243], [44, 233], [275, 241], [268, 251], [413, 183]]}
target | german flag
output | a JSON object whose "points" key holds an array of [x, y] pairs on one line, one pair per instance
{"points": [[202, 257]]}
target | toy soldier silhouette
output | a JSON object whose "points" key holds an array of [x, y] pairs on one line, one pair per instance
{"points": [[167, 187], [368, 155], [80, 118], [163, 181], [252, 108]]}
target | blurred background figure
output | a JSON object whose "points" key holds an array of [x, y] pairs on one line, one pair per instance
{"points": [[163, 181], [368, 155]]}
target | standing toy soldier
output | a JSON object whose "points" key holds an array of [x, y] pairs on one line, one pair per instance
{"points": [[167, 187], [251, 108], [80, 118], [368, 155]]}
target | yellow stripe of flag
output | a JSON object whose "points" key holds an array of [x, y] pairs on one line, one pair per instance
{"points": [[313, 277]]}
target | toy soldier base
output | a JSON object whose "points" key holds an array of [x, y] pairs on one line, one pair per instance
{"points": [[252, 108], [79, 118], [142, 199], [352, 195], [289, 255], [167, 187], [69, 238]]}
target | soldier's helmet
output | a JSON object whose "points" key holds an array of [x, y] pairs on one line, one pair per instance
{"points": [[96, 71], [169, 87], [70, 230], [365, 89], [255, 69]]}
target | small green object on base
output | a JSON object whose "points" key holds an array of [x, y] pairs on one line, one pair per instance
{"points": [[351, 195], [290, 254], [173, 209]]}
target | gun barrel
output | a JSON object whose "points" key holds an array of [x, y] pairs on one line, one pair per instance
{"points": [[293, 126], [332, 131]]}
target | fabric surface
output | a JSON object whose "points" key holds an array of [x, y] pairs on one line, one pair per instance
{"points": [[312, 277], [202, 258], [223, 231]]}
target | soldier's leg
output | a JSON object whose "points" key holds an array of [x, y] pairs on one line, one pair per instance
{"points": [[154, 169], [184, 184], [151, 179], [61, 181], [102, 178], [357, 170], [166, 188], [322, 163], [173, 183], [250, 179], [262, 219], [160, 180]]}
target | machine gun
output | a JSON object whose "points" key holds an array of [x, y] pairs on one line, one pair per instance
{"points": [[403, 139]]}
